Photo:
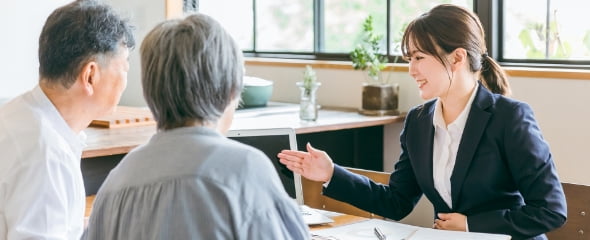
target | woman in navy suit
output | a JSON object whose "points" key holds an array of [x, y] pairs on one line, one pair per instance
{"points": [[477, 155]]}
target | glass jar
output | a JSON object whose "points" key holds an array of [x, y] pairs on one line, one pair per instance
{"points": [[308, 108]]}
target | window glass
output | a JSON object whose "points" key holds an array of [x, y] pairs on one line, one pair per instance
{"points": [[533, 31], [546, 31], [524, 29], [570, 35], [284, 25], [403, 12], [344, 20], [237, 20]]}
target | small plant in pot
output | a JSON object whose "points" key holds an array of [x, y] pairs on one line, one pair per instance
{"points": [[380, 96], [308, 110]]}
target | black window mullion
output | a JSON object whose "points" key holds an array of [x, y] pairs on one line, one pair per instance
{"points": [[318, 26], [388, 29], [497, 36], [254, 23], [489, 13]]}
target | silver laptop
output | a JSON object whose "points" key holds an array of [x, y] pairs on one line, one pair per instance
{"points": [[271, 142]]}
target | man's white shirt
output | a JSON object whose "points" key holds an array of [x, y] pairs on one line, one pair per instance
{"points": [[42, 192]]}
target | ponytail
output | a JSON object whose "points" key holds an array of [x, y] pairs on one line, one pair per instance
{"points": [[493, 76]]}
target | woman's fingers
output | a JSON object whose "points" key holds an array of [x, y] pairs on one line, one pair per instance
{"points": [[293, 160], [437, 225], [294, 153], [294, 169], [289, 157], [315, 165]]}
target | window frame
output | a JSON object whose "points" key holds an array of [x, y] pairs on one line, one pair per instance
{"points": [[489, 12], [318, 8], [491, 17]]}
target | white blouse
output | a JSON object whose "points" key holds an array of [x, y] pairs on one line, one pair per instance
{"points": [[446, 145]]}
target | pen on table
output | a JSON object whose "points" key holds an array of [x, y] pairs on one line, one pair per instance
{"points": [[380, 234]]}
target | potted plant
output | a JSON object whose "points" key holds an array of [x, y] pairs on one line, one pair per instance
{"points": [[380, 96]]}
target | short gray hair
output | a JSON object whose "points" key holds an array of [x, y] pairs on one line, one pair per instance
{"points": [[79, 32], [191, 71]]}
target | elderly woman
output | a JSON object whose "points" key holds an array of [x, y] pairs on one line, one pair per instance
{"points": [[189, 181]]}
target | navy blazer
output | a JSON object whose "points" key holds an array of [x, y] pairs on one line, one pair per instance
{"points": [[504, 178]]}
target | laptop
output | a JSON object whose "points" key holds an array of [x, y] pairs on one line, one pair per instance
{"points": [[271, 142]]}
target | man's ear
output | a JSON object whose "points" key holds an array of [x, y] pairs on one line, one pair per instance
{"points": [[458, 58], [88, 77]]}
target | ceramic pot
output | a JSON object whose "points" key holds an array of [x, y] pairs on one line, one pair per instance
{"points": [[380, 99]]}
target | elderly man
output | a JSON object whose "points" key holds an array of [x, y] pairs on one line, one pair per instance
{"points": [[83, 51]]}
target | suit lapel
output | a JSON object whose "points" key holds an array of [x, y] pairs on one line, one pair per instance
{"points": [[423, 164], [474, 129]]}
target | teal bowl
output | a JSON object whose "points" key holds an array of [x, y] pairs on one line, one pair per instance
{"points": [[256, 92]]}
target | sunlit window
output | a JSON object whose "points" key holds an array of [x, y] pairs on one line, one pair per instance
{"points": [[288, 26], [546, 30], [528, 31], [343, 20], [284, 25]]}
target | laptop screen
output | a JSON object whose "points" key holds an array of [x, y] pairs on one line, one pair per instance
{"points": [[271, 142]]}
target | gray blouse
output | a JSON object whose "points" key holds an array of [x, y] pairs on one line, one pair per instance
{"points": [[193, 183]]}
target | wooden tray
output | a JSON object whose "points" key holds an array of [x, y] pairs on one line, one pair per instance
{"points": [[125, 116]]}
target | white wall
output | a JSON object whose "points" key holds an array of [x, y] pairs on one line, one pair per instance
{"points": [[562, 112], [21, 23]]}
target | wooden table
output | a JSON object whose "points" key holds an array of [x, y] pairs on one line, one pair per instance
{"points": [[106, 142], [338, 221], [89, 202]]}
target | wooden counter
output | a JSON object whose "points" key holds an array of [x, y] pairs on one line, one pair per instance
{"points": [[106, 142], [340, 220]]}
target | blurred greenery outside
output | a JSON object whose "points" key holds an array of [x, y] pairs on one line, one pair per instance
{"points": [[287, 26], [528, 37]]}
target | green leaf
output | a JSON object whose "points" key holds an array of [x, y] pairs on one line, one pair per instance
{"points": [[366, 56]]}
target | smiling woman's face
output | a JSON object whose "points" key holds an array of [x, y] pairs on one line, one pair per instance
{"points": [[431, 76]]}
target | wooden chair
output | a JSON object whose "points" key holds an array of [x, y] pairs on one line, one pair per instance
{"points": [[312, 195], [577, 226]]}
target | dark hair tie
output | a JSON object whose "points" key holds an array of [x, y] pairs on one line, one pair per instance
{"points": [[484, 58]]}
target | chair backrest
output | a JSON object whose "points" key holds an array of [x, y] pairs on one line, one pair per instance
{"points": [[312, 195], [578, 214]]}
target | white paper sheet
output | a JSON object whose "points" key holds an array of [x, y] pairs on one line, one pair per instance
{"points": [[396, 231]]}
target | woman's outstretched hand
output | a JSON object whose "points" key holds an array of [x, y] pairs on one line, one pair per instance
{"points": [[314, 164]]}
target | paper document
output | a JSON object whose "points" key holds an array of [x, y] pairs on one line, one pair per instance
{"points": [[396, 231]]}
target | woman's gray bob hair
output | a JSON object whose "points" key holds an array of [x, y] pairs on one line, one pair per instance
{"points": [[191, 70]]}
